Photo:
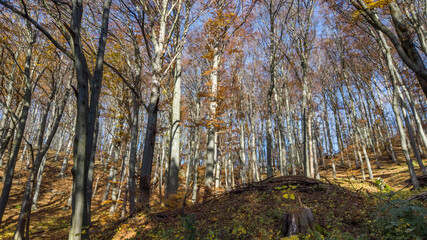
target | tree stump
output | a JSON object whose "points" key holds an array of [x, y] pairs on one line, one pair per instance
{"points": [[299, 222]]}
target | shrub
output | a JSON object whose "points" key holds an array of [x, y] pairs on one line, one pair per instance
{"points": [[400, 219]]}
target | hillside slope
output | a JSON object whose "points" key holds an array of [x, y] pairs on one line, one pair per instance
{"points": [[237, 214]]}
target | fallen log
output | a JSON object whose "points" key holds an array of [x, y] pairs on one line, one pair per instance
{"points": [[422, 197]]}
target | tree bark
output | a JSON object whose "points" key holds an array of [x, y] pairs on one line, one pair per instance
{"points": [[210, 155], [133, 154], [175, 150]]}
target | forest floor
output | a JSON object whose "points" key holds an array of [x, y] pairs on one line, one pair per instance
{"points": [[341, 205]]}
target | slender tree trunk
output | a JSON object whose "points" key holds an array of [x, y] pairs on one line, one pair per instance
{"points": [[196, 160], [412, 140], [190, 159], [269, 132], [360, 133], [289, 131], [242, 152], [316, 173], [66, 157], [252, 144], [362, 168], [310, 146], [38, 184], [61, 141]]}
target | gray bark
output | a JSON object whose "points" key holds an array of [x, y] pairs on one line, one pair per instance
{"points": [[175, 150], [242, 152], [210, 154], [38, 184], [66, 157], [133, 154]]}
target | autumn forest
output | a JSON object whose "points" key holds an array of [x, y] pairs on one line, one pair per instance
{"points": [[213, 119]]}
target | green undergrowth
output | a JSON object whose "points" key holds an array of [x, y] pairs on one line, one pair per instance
{"points": [[394, 217], [398, 219]]}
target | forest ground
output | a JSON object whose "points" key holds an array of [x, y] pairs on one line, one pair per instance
{"points": [[329, 200]]}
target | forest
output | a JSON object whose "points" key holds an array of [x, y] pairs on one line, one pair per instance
{"points": [[213, 119]]}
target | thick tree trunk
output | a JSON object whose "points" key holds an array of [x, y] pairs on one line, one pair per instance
{"points": [[149, 142], [210, 155], [175, 150], [404, 32], [133, 154]]}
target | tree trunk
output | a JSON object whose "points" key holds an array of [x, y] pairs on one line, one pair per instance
{"points": [[403, 30], [252, 143], [242, 152], [133, 154], [66, 157], [210, 155], [150, 139], [38, 184], [412, 140], [175, 150], [269, 132]]}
